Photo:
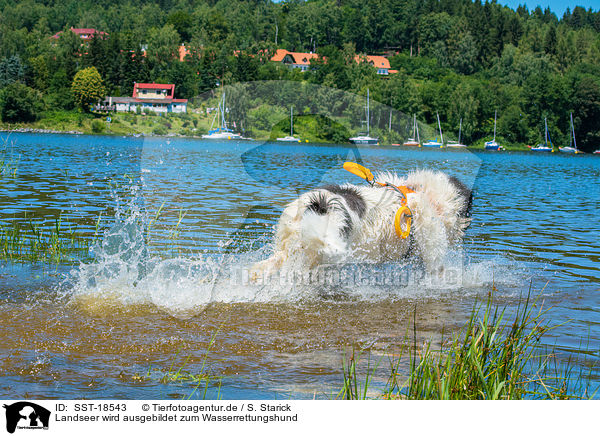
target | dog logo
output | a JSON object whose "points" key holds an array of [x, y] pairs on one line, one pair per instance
{"points": [[26, 415]]}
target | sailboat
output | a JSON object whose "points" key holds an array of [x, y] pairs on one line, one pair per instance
{"points": [[493, 145], [291, 137], [572, 148], [411, 142], [435, 142], [365, 139], [221, 132], [457, 144], [544, 147]]}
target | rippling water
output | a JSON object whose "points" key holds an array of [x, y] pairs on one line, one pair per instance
{"points": [[181, 219]]}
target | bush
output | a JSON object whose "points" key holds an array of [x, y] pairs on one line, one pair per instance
{"points": [[97, 126], [159, 130], [19, 103]]}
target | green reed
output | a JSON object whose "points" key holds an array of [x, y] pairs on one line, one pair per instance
{"points": [[56, 240], [30, 240], [491, 358], [202, 379], [354, 388]]}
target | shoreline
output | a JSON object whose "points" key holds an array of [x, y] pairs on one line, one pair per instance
{"points": [[179, 135]]}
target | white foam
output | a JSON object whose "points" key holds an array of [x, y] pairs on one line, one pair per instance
{"points": [[125, 273]]}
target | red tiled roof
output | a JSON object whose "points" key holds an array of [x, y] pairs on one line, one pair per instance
{"points": [[279, 55], [160, 100], [298, 58], [170, 88], [82, 31], [304, 58], [145, 100], [376, 61]]}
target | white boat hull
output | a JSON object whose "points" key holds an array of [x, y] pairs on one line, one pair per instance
{"points": [[222, 135], [289, 139], [542, 149], [364, 140], [571, 150]]}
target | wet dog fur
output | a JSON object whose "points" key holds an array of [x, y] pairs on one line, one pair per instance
{"points": [[336, 223]]}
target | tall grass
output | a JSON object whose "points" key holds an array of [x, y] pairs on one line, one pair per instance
{"points": [[491, 358], [31, 240]]}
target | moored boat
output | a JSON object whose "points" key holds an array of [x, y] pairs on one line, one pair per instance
{"points": [[435, 142], [493, 145], [412, 142], [544, 147], [572, 148], [291, 137], [365, 139], [221, 132], [457, 144]]}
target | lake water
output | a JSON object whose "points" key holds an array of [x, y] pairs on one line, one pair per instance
{"points": [[179, 221]]}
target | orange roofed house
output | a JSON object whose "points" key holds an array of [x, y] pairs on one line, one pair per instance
{"points": [[294, 59], [302, 61], [382, 64], [84, 34], [159, 98]]}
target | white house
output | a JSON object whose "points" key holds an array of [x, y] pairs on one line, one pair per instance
{"points": [[156, 97]]}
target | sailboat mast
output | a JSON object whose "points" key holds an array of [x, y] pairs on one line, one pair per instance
{"points": [[292, 121], [440, 127], [459, 130], [417, 129], [223, 122], [573, 131], [368, 112], [495, 112], [546, 131]]}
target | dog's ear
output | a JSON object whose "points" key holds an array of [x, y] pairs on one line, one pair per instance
{"points": [[318, 204], [465, 193]]}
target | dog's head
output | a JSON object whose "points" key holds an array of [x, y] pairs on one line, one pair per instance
{"points": [[329, 217]]}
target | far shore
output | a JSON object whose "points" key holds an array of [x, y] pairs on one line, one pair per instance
{"points": [[179, 135]]}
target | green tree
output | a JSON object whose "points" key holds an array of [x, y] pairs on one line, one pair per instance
{"points": [[40, 73], [182, 22], [163, 48], [550, 41], [87, 88], [586, 100], [19, 103], [11, 70], [245, 67]]}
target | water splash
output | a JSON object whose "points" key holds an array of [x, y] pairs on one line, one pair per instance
{"points": [[127, 275]]}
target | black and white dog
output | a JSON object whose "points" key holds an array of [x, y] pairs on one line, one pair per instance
{"points": [[336, 223]]}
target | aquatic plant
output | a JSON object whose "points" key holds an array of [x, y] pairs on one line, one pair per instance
{"points": [[9, 164], [488, 359], [202, 379], [30, 240], [353, 388]]}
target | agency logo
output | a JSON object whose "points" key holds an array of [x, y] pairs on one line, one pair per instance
{"points": [[26, 415]]}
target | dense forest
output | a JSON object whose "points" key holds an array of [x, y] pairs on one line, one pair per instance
{"points": [[464, 59]]}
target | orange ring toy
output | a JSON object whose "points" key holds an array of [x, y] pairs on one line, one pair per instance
{"points": [[403, 212]]}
